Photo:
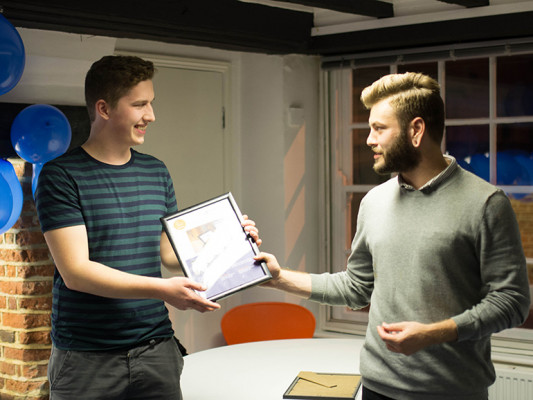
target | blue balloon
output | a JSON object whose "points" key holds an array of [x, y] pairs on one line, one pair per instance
{"points": [[40, 133], [7, 172], [509, 170], [35, 177], [12, 56], [464, 163], [479, 164], [6, 202], [526, 161]]}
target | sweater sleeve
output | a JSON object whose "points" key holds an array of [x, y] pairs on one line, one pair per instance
{"points": [[505, 300], [352, 287]]}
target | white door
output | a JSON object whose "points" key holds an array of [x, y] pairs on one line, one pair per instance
{"points": [[188, 133], [189, 137]]}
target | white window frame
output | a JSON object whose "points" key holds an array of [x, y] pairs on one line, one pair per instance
{"points": [[512, 345]]}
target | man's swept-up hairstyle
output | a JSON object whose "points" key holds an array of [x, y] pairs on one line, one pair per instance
{"points": [[411, 95]]}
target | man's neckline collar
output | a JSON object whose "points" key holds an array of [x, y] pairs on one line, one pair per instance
{"points": [[434, 182]]}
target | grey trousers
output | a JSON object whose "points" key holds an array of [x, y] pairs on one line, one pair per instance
{"points": [[150, 371]]}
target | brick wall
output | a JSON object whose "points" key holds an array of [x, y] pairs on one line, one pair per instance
{"points": [[26, 273], [524, 215]]}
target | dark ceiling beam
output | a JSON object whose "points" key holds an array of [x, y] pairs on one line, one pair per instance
{"points": [[467, 3], [240, 26], [467, 30], [225, 24], [370, 8]]}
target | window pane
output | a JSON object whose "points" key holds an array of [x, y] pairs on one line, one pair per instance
{"points": [[472, 91], [514, 89], [361, 78], [515, 154], [431, 69], [470, 146], [467, 88], [363, 160], [354, 201]]}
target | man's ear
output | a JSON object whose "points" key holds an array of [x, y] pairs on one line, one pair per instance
{"points": [[102, 109], [418, 130]]}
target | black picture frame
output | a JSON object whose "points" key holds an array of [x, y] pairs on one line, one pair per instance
{"points": [[213, 247]]}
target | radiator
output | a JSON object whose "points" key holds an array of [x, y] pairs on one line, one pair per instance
{"points": [[512, 383]]}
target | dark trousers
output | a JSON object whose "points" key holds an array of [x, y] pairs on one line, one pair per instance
{"points": [[150, 371], [371, 395]]}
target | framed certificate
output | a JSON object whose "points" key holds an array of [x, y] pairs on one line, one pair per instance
{"points": [[213, 248]]}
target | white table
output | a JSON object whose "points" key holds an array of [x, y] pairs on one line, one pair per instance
{"points": [[264, 370]]}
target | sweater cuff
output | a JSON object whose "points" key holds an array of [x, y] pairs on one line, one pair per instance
{"points": [[466, 327], [318, 288]]}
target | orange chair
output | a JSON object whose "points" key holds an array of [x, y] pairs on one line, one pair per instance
{"points": [[255, 322]]}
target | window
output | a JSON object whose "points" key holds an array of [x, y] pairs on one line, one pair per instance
{"points": [[489, 130]]}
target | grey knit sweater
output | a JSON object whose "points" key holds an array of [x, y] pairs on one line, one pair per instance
{"points": [[449, 250]]}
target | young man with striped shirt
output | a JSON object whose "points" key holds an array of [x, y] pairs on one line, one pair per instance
{"points": [[99, 207]]}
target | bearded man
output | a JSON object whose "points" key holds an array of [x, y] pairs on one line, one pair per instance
{"points": [[437, 254]]}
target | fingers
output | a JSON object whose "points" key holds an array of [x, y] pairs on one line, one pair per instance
{"points": [[266, 257], [272, 265], [185, 296], [392, 329], [195, 285], [383, 333], [390, 333], [251, 230], [198, 303], [390, 338], [403, 337], [204, 306]]}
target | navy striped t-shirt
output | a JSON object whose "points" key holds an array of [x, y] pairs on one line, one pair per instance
{"points": [[120, 207]]}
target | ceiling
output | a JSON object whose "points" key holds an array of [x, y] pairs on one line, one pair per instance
{"points": [[320, 27]]}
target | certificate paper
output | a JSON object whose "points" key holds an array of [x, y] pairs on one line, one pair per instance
{"points": [[213, 248]]}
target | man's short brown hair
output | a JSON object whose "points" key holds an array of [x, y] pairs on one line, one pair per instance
{"points": [[112, 77]]}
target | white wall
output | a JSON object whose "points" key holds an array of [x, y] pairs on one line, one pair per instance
{"points": [[274, 122], [280, 133], [56, 64]]}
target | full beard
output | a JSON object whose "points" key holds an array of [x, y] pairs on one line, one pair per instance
{"points": [[402, 156]]}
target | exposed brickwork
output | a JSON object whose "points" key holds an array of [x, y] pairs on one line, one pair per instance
{"points": [[26, 272], [524, 214]]}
